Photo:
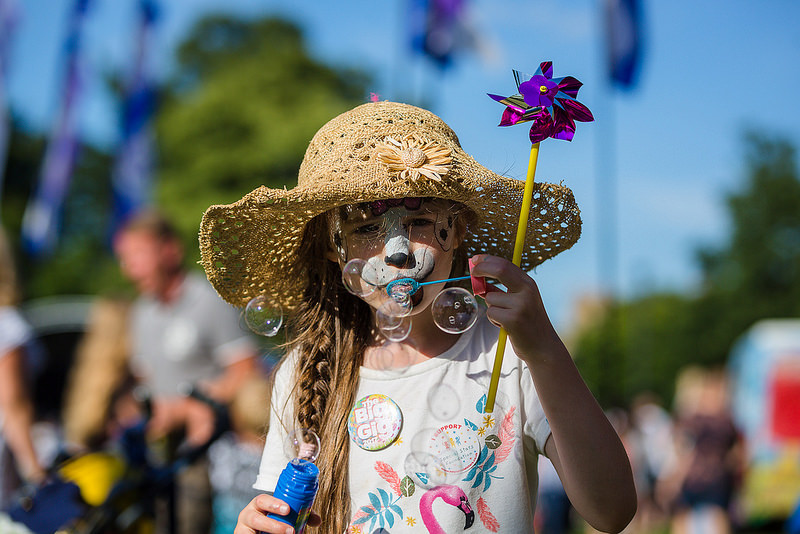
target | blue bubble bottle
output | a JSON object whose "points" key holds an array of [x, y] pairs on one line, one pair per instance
{"points": [[298, 483], [297, 487]]}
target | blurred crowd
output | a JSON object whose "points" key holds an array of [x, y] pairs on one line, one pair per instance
{"points": [[133, 365], [688, 462]]}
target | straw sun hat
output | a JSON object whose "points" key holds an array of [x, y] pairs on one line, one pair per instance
{"points": [[379, 150]]}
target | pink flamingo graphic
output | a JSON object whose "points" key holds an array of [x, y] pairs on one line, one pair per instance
{"points": [[452, 495]]}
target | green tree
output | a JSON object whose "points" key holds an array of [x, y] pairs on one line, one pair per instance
{"points": [[755, 274], [239, 113]]}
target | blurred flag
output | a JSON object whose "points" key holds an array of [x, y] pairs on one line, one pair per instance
{"points": [[41, 222], [438, 29], [131, 178], [624, 41], [8, 19]]}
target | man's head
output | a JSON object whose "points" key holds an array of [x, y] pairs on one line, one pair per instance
{"points": [[150, 253]]}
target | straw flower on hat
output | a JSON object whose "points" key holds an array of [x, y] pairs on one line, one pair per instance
{"points": [[376, 151]]}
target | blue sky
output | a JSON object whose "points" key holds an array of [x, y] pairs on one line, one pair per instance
{"points": [[674, 145]]}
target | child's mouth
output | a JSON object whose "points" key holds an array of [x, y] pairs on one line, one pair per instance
{"points": [[416, 298]]}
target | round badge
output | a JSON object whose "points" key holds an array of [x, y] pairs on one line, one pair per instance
{"points": [[375, 422], [456, 446]]}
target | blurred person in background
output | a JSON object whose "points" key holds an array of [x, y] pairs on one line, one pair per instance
{"points": [[553, 509], [99, 373], [18, 457], [701, 483], [235, 456], [182, 333], [652, 430]]}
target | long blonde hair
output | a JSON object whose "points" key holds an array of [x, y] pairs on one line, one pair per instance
{"points": [[331, 330]]}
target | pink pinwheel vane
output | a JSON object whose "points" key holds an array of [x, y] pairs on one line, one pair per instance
{"points": [[549, 103]]}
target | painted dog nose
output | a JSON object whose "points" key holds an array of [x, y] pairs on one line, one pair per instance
{"points": [[398, 259]]}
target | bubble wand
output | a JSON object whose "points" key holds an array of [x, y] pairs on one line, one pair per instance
{"points": [[551, 105]]}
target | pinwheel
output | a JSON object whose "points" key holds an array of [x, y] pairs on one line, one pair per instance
{"points": [[550, 105]]}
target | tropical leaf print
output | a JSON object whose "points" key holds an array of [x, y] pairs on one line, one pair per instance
{"points": [[493, 441], [481, 404], [389, 475], [407, 486], [481, 472], [495, 450], [487, 517], [381, 512]]}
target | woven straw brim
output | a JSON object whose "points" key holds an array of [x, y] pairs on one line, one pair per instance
{"points": [[249, 248]]}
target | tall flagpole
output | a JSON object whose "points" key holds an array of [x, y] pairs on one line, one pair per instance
{"points": [[41, 221], [132, 175]]}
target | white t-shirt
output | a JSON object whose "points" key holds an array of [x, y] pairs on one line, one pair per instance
{"points": [[451, 464], [14, 331], [188, 340]]}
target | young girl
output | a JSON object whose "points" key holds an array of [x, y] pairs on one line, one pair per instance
{"points": [[406, 445]]}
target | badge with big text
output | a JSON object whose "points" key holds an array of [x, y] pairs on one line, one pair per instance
{"points": [[375, 422]]}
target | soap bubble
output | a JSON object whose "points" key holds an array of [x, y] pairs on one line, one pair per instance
{"points": [[425, 470], [302, 443], [392, 320], [393, 357], [393, 309], [262, 317], [359, 277], [434, 459], [400, 331], [454, 310], [443, 402]]}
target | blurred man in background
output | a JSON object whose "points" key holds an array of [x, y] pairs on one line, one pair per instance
{"points": [[182, 333]]}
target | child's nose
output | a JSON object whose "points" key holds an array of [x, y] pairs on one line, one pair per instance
{"points": [[398, 259]]}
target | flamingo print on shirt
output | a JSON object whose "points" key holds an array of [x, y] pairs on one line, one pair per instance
{"points": [[452, 495]]}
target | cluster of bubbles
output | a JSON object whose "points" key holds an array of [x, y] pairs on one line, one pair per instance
{"points": [[433, 461], [454, 309]]}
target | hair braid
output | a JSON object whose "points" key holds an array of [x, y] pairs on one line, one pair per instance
{"points": [[330, 329]]}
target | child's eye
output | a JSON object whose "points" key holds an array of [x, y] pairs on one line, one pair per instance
{"points": [[419, 222], [366, 229]]}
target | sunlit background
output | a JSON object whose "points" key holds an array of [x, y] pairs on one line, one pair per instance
{"points": [[687, 180]]}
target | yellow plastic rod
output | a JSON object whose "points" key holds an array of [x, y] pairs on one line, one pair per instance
{"points": [[519, 244]]}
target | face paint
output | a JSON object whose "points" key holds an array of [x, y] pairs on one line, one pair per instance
{"points": [[405, 240], [444, 231]]}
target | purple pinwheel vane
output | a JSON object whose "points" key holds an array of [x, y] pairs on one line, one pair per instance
{"points": [[549, 103]]}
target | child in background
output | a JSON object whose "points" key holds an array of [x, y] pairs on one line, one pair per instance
{"points": [[406, 445], [235, 455]]}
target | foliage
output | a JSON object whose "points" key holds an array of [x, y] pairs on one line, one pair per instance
{"points": [[641, 344], [239, 113]]}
